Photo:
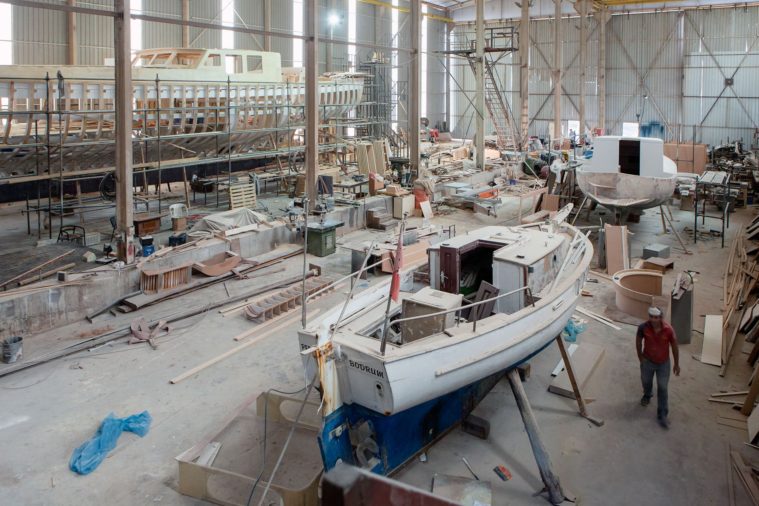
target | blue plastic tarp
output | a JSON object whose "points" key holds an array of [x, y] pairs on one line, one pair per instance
{"points": [[88, 456], [572, 330]]}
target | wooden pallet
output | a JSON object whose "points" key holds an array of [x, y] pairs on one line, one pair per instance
{"points": [[156, 280], [242, 195], [284, 300]]}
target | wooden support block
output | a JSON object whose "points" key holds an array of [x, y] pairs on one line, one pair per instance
{"points": [[524, 371], [476, 426]]}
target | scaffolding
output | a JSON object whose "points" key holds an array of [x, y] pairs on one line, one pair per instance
{"points": [[53, 146]]}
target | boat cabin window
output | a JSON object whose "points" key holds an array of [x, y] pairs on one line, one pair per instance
{"points": [[233, 63], [143, 60], [213, 60], [189, 60], [629, 157], [161, 59], [255, 63]]}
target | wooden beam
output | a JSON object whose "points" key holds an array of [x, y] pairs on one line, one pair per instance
{"points": [[312, 98], [185, 27], [543, 459], [72, 45], [557, 69], [415, 73], [124, 196]]}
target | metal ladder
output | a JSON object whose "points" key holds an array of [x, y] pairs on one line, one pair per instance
{"points": [[498, 107]]}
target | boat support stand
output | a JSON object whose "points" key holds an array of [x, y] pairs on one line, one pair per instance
{"points": [[556, 494], [578, 395]]}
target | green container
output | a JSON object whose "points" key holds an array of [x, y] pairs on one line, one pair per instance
{"points": [[321, 242]]}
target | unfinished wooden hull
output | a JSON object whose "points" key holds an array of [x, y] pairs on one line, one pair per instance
{"points": [[43, 116]]}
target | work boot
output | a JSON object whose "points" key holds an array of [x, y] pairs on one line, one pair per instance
{"points": [[644, 401]]}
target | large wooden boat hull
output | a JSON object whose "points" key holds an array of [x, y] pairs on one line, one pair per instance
{"points": [[43, 119]]}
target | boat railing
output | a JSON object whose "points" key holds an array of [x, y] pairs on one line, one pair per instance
{"points": [[458, 310]]}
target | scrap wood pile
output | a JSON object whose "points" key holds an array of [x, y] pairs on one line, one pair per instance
{"points": [[740, 312]]}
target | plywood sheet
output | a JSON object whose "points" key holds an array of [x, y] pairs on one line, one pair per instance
{"points": [[550, 202], [711, 353], [584, 361], [617, 251], [753, 426]]}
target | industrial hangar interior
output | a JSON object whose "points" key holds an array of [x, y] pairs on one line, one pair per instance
{"points": [[379, 252]]}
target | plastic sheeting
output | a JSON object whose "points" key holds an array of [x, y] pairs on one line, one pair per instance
{"points": [[89, 455], [227, 220], [572, 330]]}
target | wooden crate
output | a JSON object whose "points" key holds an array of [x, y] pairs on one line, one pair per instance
{"points": [[156, 280], [242, 195]]}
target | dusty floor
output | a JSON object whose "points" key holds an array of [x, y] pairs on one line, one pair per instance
{"points": [[49, 410]]}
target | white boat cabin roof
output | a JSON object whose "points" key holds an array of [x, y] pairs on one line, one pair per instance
{"points": [[522, 246], [261, 65]]}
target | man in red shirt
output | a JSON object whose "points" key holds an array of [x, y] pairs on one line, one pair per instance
{"points": [[653, 341]]}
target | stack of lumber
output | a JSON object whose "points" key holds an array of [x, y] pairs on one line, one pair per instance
{"points": [[739, 304]]}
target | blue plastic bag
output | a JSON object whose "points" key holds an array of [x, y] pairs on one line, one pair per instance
{"points": [[88, 456], [572, 330]]}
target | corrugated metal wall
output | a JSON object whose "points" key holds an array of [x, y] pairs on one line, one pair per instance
{"points": [[658, 70], [39, 36], [156, 35]]}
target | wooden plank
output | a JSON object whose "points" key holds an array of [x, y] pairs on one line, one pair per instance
{"points": [[617, 256], [560, 366], [597, 317], [753, 426], [35, 268], [550, 202], [584, 361], [753, 393], [746, 476], [711, 353], [229, 353], [729, 422]]}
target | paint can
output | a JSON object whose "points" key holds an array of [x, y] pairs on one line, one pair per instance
{"points": [[12, 349]]}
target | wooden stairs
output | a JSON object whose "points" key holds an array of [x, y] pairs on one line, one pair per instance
{"points": [[284, 300]]}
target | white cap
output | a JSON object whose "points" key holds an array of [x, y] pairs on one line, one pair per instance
{"points": [[654, 311]]}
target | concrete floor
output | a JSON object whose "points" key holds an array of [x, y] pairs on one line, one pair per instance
{"points": [[49, 410]]}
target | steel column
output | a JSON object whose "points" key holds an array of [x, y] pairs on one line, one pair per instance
{"points": [[583, 63], [558, 69], [602, 16], [524, 74], [415, 72], [479, 77]]}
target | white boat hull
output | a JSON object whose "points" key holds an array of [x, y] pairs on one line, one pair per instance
{"points": [[619, 192], [353, 371]]}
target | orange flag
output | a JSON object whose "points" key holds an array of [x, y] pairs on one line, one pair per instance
{"points": [[395, 284]]}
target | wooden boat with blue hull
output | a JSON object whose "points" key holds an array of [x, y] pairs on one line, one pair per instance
{"points": [[497, 296]]}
